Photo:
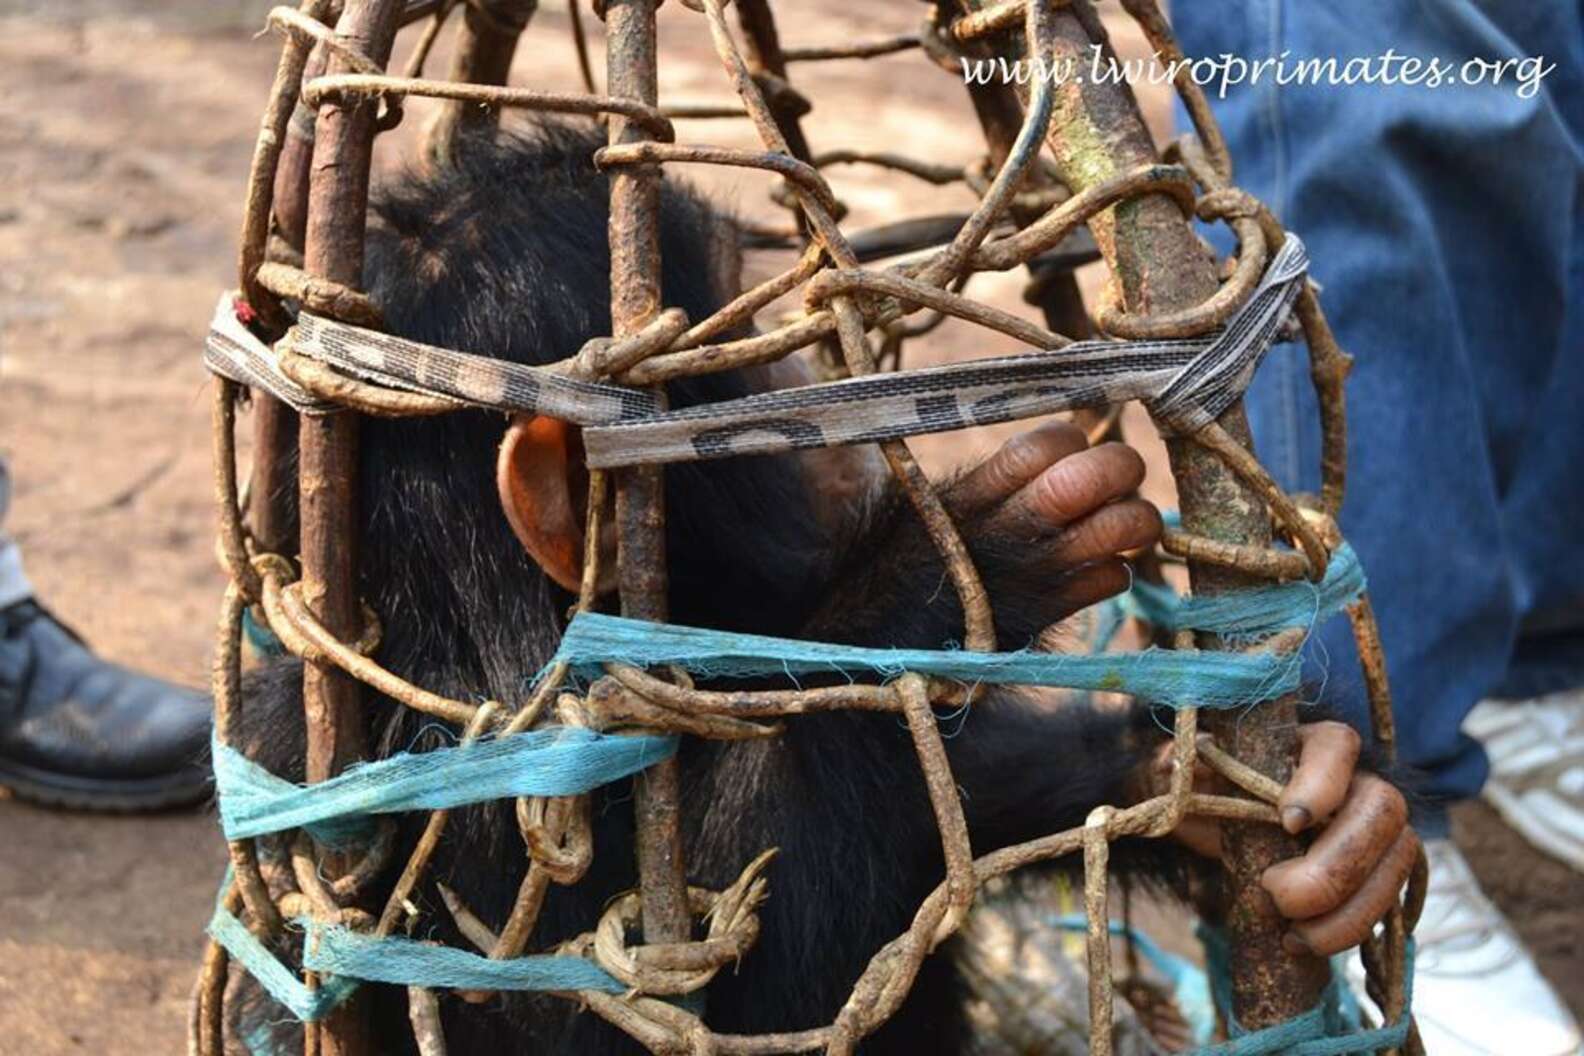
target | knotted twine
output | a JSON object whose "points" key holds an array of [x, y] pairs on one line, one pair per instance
{"points": [[1176, 678], [1327, 1029], [562, 761], [568, 761]]}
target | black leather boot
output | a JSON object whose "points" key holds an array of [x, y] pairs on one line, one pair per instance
{"points": [[77, 731]]}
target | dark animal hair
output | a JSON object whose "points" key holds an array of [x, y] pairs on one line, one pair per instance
{"points": [[503, 252]]}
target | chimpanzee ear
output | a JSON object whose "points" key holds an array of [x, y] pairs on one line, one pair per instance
{"points": [[544, 491]]}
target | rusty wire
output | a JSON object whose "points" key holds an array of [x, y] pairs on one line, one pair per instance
{"points": [[843, 303]]}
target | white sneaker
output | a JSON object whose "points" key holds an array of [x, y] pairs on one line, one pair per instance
{"points": [[1536, 750], [1476, 990]]}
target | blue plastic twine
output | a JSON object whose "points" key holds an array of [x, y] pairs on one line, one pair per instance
{"points": [[1177, 678], [279, 982], [1328, 1029], [563, 761], [566, 761], [1254, 612], [348, 954]]}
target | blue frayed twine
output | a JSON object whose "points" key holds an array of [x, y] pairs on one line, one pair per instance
{"points": [[566, 761], [278, 980], [555, 762], [348, 954], [1331, 1028], [563, 761], [1176, 678], [1254, 612], [347, 959], [260, 637]]}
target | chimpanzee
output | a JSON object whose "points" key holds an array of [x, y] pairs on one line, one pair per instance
{"points": [[502, 251]]}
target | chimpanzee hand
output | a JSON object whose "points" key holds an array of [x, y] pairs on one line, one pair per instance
{"points": [[1071, 508], [1069, 505], [1352, 872], [1047, 519]]}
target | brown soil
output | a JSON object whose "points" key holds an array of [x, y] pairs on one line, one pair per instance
{"points": [[125, 130]]}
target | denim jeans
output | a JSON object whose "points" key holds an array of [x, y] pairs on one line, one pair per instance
{"points": [[13, 583], [1444, 226]]}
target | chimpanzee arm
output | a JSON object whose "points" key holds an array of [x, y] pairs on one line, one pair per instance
{"points": [[893, 589], [1027, 764]]}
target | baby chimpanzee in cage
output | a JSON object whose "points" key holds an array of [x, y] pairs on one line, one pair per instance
{"points": [[503, 252]]}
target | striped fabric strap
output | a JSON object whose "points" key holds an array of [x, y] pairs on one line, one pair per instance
{"points": [[1186, 383]]}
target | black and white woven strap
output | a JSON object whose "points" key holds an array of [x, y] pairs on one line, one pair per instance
{"points": [[1185, 382], [497, 384], [232, 351], [394, 362]]}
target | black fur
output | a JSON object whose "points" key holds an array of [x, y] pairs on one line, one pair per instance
{"points": [[504, 253]]}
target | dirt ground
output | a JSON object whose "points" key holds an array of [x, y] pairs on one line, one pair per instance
{"points": [[125, 132]]}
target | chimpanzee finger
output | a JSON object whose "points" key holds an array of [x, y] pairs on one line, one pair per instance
{"points": [[1073, 487], [1111, 530], [1326, 761], [1019, 461], [1350, 923], [1342, 857], [1079, 588]]}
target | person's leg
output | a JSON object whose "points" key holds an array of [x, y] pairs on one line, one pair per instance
{"points": [[1442, 222], [14, 585], [1534, 730]]}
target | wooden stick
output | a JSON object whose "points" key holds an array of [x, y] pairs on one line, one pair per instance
{"points": [[640, 491], [284, 180], [1055, 293], [767, 64], [1159, 266], [486, 42], [327, 480]]}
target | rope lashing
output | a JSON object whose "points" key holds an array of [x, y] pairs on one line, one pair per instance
{"points": [[1187, 383], [232, 351], [1178, 678], [1251, 613], [564, 761], [1172, 677], [1321, 1031], [567, 761], [347, 959], [347, 954], [305, 1003], [1330, 1028]]}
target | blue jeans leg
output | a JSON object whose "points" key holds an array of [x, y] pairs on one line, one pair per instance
{"points": [[14, 586], [1444, 228]]}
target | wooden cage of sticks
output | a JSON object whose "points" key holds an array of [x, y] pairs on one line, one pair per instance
{"points": [[1057, 157]]}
